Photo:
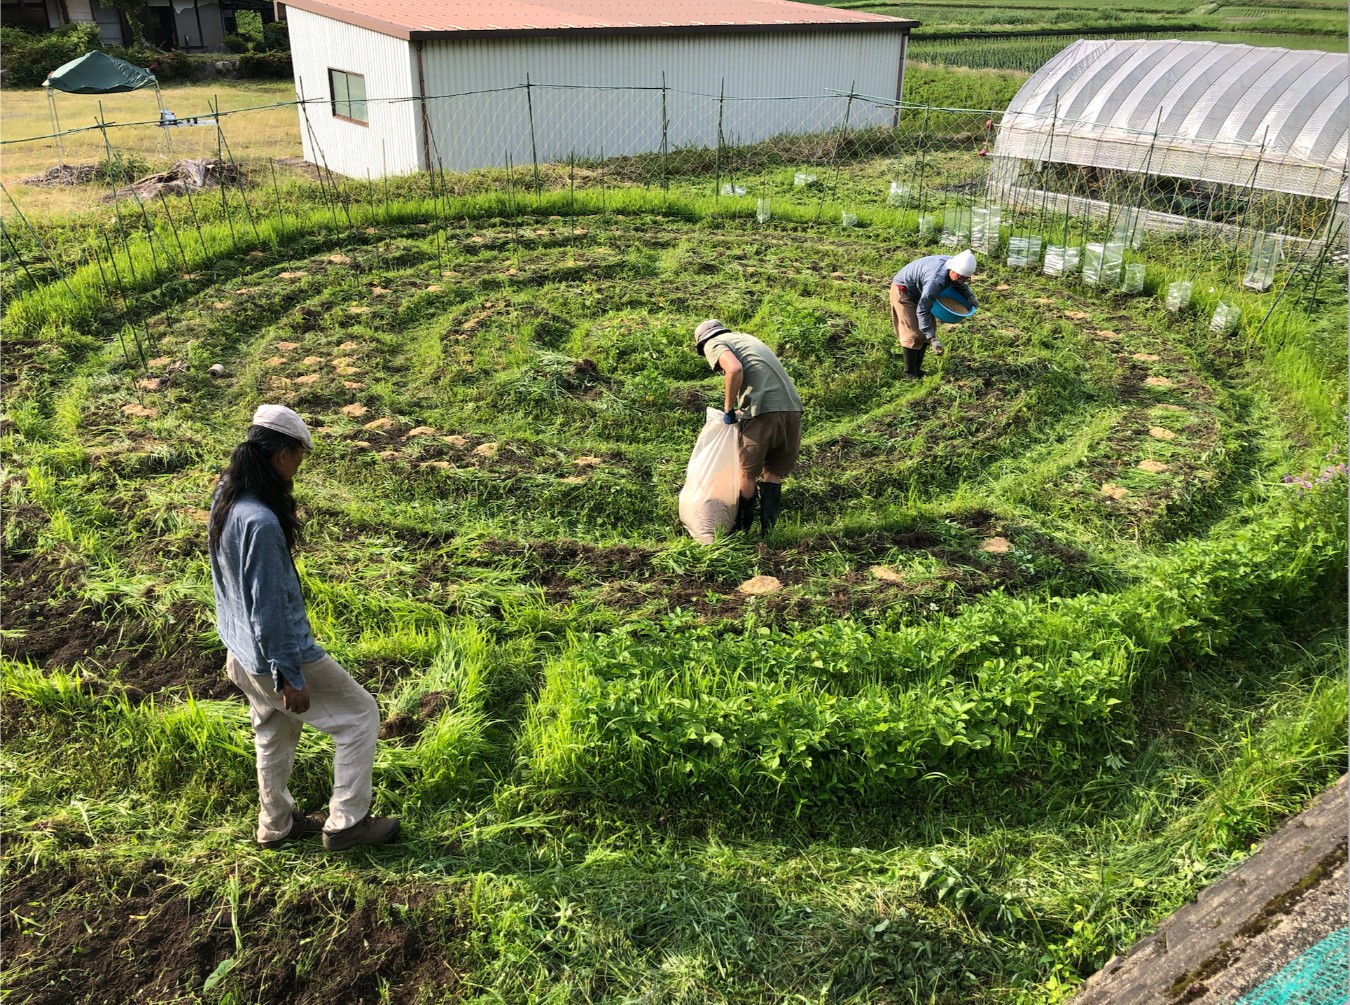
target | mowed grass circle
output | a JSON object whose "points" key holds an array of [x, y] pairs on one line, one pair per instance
{"points": [[966, 571], [1038, 648]]}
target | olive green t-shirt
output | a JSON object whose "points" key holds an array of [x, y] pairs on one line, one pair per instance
{"points": [[765, 386]]}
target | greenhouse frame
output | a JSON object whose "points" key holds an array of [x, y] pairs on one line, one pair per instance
{"points": [[1178, 133]]}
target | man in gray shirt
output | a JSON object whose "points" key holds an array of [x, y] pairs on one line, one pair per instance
{"points": [[761, 397]]}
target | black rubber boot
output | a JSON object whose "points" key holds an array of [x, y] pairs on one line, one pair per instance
{"points": [[913, 363], [745, 514], [770, 501]]}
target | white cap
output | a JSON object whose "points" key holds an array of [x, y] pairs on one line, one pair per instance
{"points": [[963, 264], [283, 420]]}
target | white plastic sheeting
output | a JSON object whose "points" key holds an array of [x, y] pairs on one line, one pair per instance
{"points": [[1264, 118]]}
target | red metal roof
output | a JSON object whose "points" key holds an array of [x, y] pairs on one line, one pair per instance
{"points": [[415, 19]]}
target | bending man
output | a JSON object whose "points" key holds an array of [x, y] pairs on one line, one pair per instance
{"points": [[770, 416]]}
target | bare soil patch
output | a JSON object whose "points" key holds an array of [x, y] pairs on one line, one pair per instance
{"points": [[142, 939], [58, 629], [405, 728]]}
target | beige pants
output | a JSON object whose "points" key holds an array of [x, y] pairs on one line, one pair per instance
{"points": [[905, 320], [338, 706]]}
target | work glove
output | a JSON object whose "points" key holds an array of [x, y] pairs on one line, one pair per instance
{"points": [[936, 347], [729, 417]]}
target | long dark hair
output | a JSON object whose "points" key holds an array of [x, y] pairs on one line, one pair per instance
{"points": [[251, 473]]}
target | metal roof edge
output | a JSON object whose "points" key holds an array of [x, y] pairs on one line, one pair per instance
{"points": [[449, 35], [383, 27], [349, 17]]}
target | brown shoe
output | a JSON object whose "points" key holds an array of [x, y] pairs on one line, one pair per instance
{"points": [[301, 827], [370, 831]]}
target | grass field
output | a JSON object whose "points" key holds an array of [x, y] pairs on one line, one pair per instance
{"points": [[1317, 17], [1057, 639], [1026, 54], [269, 130], [1021, 35]]}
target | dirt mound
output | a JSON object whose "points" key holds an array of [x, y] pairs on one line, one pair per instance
{"points": [[53, 627], [185, 176], [63, 174]]}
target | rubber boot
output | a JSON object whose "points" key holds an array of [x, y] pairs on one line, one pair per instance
{"points": [[745, 514], [913, 363], [770, 501]]}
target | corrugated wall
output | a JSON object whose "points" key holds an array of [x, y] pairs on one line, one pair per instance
{"points": [[572, 114], [392, 141]]}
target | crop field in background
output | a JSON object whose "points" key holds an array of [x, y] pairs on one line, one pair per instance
{"points": [[1026, 54], [1059, 633], [1022, 36]]}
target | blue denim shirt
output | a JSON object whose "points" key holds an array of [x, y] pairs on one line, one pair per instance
{"points": [[925, 279], [260, 611]]}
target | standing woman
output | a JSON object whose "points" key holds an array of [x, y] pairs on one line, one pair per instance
{"points": [[272, 656]]}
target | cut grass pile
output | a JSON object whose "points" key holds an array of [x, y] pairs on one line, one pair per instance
{"points": [[1055, 641]]}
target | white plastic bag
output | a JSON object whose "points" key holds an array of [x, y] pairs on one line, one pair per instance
{"points": [[712, 483]]}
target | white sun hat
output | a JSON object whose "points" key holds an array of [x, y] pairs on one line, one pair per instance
{"points": [[283, 420]]}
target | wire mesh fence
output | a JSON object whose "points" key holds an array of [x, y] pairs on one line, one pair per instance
{"points": [[939, 173]]}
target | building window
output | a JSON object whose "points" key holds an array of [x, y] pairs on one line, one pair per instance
{"points": [[349, 96]]}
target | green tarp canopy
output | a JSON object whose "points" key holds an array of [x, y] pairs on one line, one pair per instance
{"points": [[98, 73]]}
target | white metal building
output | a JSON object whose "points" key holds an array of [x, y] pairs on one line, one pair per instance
{"points": [[407, 85], [1190, 117]]}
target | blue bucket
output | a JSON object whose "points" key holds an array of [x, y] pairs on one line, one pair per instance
{"points": [[942, 313]]}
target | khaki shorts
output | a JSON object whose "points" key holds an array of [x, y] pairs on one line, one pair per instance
{"points": [[771, 440]]}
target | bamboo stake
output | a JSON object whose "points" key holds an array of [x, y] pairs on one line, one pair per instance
{"points": [[18, 257], [923, 136], [126, 356], [834, 154], [276, 192], [38, 239], [665, 138], [224, 202], [103, 276], [534, 149], [238, 175], [174, 227], [1246, 203], [717, 177], [320, 169], [112, 186], [196, 222], [116, 271], [1049, 159]]}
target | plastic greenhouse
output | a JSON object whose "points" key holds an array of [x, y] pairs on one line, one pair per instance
{"points": [[1170, 133]]}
